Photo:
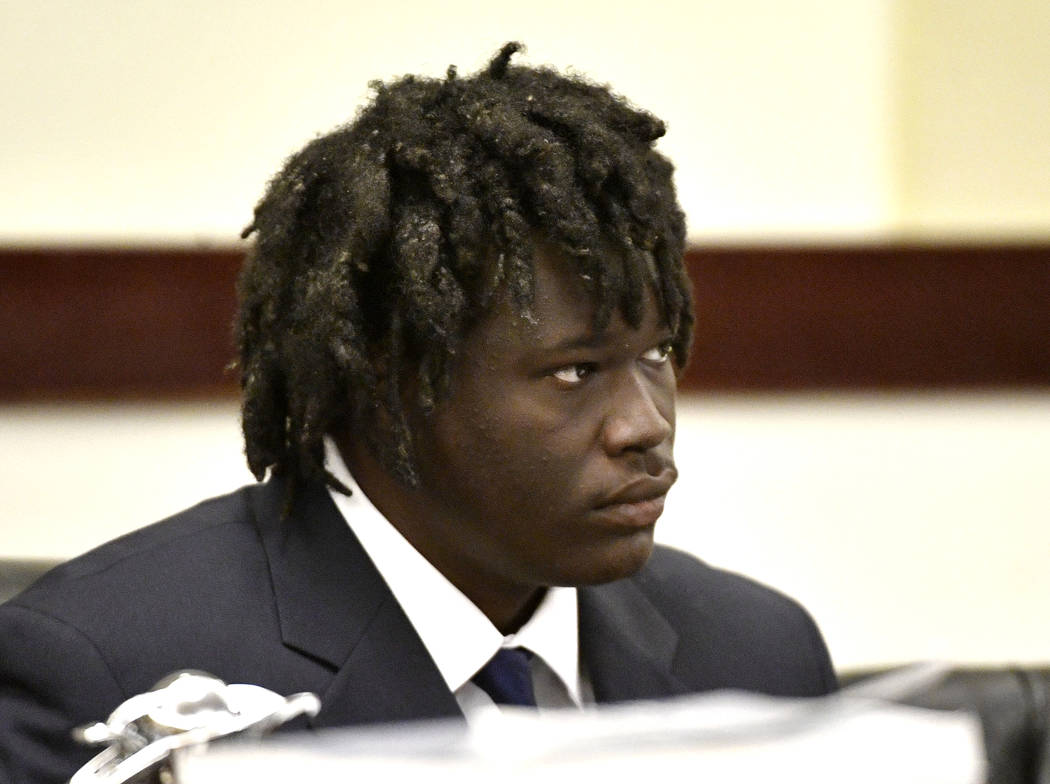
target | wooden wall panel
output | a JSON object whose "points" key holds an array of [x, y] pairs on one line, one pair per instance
{"points": [[106, 323], [871, 317], [153, 322]]}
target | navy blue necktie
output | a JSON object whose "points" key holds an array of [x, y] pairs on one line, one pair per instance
{"points": [[506, 678]]}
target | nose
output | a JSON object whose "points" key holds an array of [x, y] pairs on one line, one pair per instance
{"points": [[640, 415]]}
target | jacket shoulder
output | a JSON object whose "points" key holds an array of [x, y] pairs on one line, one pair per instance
{"points": [[156, 540], [153, 592], [747, 634], [670, 570], [107, 624]]}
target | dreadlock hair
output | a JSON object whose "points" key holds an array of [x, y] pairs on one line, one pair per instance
{"points": [[379, 244]]}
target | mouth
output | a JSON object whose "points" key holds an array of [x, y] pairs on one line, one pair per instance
{"points": [[638, 504], [633, 514]]}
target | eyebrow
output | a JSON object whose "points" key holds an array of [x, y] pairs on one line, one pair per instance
{"points": [[572, 342], [585, 340]]}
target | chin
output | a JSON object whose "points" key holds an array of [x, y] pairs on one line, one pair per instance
{"points": [[613, 562]]}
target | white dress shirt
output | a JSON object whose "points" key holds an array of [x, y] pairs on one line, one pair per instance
{"points": [[458, 636]]}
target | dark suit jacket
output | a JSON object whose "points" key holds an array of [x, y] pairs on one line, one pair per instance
{"points": [[295, 605]]}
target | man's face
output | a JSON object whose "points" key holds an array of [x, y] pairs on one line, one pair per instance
{"points": [[548, 461]]}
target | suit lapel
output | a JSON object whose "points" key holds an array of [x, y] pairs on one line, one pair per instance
{"points": [[627, 646], [333, 605]]}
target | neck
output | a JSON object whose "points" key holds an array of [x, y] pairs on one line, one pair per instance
{"points": [[508, 605]]}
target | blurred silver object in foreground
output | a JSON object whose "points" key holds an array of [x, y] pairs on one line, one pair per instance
{"points": [[187, 708], [856, 736]]}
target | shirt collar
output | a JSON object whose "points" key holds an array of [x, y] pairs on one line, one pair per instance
{"points": [[458, 636]]}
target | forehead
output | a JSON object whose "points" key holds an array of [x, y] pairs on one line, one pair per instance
{"points": [[564, 308], [562, 297]]}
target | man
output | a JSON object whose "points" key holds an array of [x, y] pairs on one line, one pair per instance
{"points": [[460, 328]]}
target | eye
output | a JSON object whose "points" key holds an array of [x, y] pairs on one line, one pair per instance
{"points": [[659, 354], [573, 374]]}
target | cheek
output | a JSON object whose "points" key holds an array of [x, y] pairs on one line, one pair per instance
{"points": [[511, 447], [524, 466]]}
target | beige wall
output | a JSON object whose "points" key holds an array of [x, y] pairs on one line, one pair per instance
{"points": [[128, 121], [811, 119], [912, 526], [972, 87]]}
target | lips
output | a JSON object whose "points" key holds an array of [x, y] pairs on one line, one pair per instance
{"points": [[638, 514], [639, 503]]}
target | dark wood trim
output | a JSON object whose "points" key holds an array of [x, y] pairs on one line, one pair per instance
{"points": [[873, 317], [89, 323]]}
